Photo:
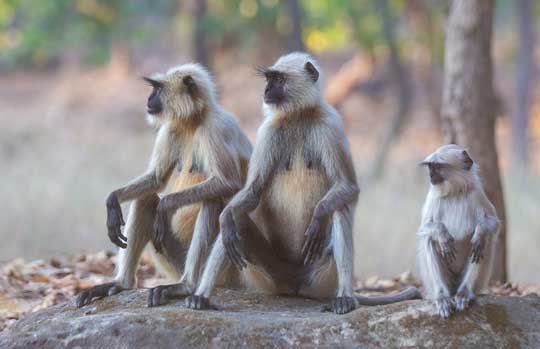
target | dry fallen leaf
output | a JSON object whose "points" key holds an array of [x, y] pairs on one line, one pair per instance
{"points": [[39, 278]]}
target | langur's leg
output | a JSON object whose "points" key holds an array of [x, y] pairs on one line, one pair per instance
{"points": [[342, 250], [438, 279], [476, 274], [259, 255], [138, 231], [205, 231], [323, 276], [217, 264]]}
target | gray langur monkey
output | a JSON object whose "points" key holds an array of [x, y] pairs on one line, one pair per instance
{"points": [[200, 159], [458, 232], [289, 230]]}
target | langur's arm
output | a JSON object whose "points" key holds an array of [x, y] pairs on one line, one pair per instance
{"points": [[262, 165], [213, 188], [224, 178], [154, 180], [343, 192], [146, 184], [437, 233], [487, 225]]}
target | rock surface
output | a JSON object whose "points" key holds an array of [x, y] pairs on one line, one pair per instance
{"points": [[254, 320]]}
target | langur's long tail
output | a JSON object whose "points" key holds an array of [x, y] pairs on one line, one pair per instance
{"points": [[405, 295]]}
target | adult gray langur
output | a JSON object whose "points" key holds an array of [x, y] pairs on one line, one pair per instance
{"points": [[290, 229], [199, 160]]}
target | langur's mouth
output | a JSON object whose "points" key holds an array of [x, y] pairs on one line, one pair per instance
{"points": [[436, 181], [153, 111], [274, 100]]}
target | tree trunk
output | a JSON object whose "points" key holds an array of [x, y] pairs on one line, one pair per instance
{"points": [[468, 109], [524, 69], [294, 38], [199, 43]]}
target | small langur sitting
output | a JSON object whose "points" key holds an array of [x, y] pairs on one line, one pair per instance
{"points": [[456, 240], [289, 230], [201, 155]]}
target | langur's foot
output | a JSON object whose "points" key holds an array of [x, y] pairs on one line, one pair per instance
{"points": [[343, 305], [162, 294], [444, 307], [463, 298], [99, 291], [200, 303]]}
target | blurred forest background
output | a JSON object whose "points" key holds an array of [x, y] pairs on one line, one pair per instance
{"points": [[72, 107]]}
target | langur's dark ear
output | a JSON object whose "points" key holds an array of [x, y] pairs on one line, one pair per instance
{"points": [[189, 82], [312, 71], [467, 160]]}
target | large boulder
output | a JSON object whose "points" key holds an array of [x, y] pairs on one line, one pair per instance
{"points": [[254, 320]]}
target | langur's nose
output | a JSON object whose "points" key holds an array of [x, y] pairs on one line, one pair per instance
{"points": [[154, 105]]}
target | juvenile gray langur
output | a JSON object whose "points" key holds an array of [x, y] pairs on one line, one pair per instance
{"points": [[289, 230], [458, 232], [200, 158]]}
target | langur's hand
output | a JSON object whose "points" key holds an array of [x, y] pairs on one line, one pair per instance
{"points": [[446, 245], [161, 226], [478, 245], [315, 240], [115, 221], [443, 239], [231, 240]]}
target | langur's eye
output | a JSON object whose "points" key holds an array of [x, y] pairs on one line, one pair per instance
{"points": [[436, 167]]}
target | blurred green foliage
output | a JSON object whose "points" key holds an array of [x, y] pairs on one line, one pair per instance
{"points": [[39, 33]]}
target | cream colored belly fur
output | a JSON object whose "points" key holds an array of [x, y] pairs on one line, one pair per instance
{"points": [[183, 221], [287, 206]]}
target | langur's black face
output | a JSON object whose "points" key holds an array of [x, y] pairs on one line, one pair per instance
{"points": [[436, 172], [154, 105], [280, 86], [456, 163], [274, 93]]}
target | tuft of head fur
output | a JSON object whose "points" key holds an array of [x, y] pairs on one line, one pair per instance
{"points": [[188, 91], [301, 90], [459, 171]]}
